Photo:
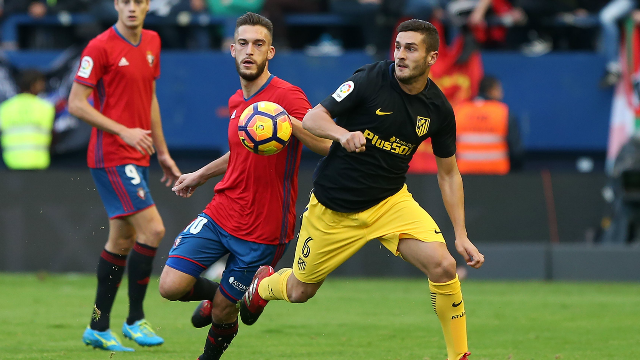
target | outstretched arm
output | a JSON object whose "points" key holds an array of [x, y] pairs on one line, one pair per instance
{"points": [[79, 107], [187, 183], [318, 121], [170, 170], [317, 145], [452, 191]]}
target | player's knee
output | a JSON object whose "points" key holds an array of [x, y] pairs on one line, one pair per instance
{"points": [[444, 269], [153, 235], [157, 232], [169, 291]]}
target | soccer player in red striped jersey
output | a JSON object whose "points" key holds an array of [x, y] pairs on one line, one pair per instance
{"points": [[252, 214], [119, 68]]}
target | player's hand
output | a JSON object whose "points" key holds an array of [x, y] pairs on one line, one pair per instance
{"points": [[139, 139], [353, 141], [170, 170], [187, 184], [469, 252]]}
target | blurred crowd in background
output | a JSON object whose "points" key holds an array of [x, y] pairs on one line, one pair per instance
{"points": [[330, 27], [534, 26]]}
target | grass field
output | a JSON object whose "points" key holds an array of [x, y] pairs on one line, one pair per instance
{"points": [[43, 317]]}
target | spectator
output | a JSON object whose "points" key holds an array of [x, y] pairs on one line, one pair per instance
{"points": [[35, 9], [365, 14], [71, 6], [488, 138], [179, 12], [542, 32], [609, 17], [275, 10], [25, 124], [424, 9], [40, 36], [232, 9]]}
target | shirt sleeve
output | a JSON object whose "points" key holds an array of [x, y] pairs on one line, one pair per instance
{"points": [[92, 65], [349, 95], [444, 140], [296, 103]]}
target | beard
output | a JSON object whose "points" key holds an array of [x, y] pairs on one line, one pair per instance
{"points": [[414, 73], [248, 75]]}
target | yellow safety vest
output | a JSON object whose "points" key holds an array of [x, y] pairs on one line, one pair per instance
{"points": [[25, 128]]}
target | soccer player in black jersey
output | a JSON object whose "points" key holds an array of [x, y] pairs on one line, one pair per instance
{"points": [[383, 113]]}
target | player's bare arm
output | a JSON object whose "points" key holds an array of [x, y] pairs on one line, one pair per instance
{"points": [[187, 183], [316, 144], [79, 106], [450, 183], [318, 121], [170, 170]]}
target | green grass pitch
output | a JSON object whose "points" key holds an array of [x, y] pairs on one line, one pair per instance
{"points": [[43, 317]]}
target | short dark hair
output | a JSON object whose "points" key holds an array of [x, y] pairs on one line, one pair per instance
{"points": [[29, 77], [428, 31], [254, 19], [487, 84]]}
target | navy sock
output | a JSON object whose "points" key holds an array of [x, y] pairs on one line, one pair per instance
{"points": [[218, 340], [140, 266], [203, 289], [110, 270]]}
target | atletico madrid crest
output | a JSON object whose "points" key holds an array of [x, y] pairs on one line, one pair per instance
{"points": [[141, 193], [422, 125]]}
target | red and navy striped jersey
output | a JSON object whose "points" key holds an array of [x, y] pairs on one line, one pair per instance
{"points": [[256, 198], [121, 75]]}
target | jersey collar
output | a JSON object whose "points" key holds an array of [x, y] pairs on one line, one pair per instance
{"points": [[125, 39], [261, 88]]}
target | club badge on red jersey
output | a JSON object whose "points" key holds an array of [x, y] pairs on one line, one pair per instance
{"points": [[150, 58]]}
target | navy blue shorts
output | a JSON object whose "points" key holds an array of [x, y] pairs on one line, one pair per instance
{"points": [[204, 242], [123, 189]]}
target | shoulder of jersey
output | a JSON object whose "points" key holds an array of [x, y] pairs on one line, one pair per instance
{"points": [[152, 34], [435, 92], [287, 86], [237, 96], [374, 67], [277, 82], [103, 37]]}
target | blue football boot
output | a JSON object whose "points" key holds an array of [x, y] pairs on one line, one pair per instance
{"points": [[141, 333], [105, 340]]}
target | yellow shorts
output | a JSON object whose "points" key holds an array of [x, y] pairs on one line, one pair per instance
{"points": [[328, 238]]}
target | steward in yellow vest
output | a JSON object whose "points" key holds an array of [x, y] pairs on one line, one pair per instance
{"points": [[25, 125]]}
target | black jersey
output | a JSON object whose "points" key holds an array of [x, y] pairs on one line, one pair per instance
{"points": [[394, 124]]}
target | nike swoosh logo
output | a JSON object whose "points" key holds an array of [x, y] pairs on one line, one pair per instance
{"points": [[456, 305], [378, 112], [438, 232], [107, 343]]}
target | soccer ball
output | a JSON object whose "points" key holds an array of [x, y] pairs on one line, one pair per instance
{"points": [[264, 128]]}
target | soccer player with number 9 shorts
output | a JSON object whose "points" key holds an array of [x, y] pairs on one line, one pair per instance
{"points": [[119, 69]]}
